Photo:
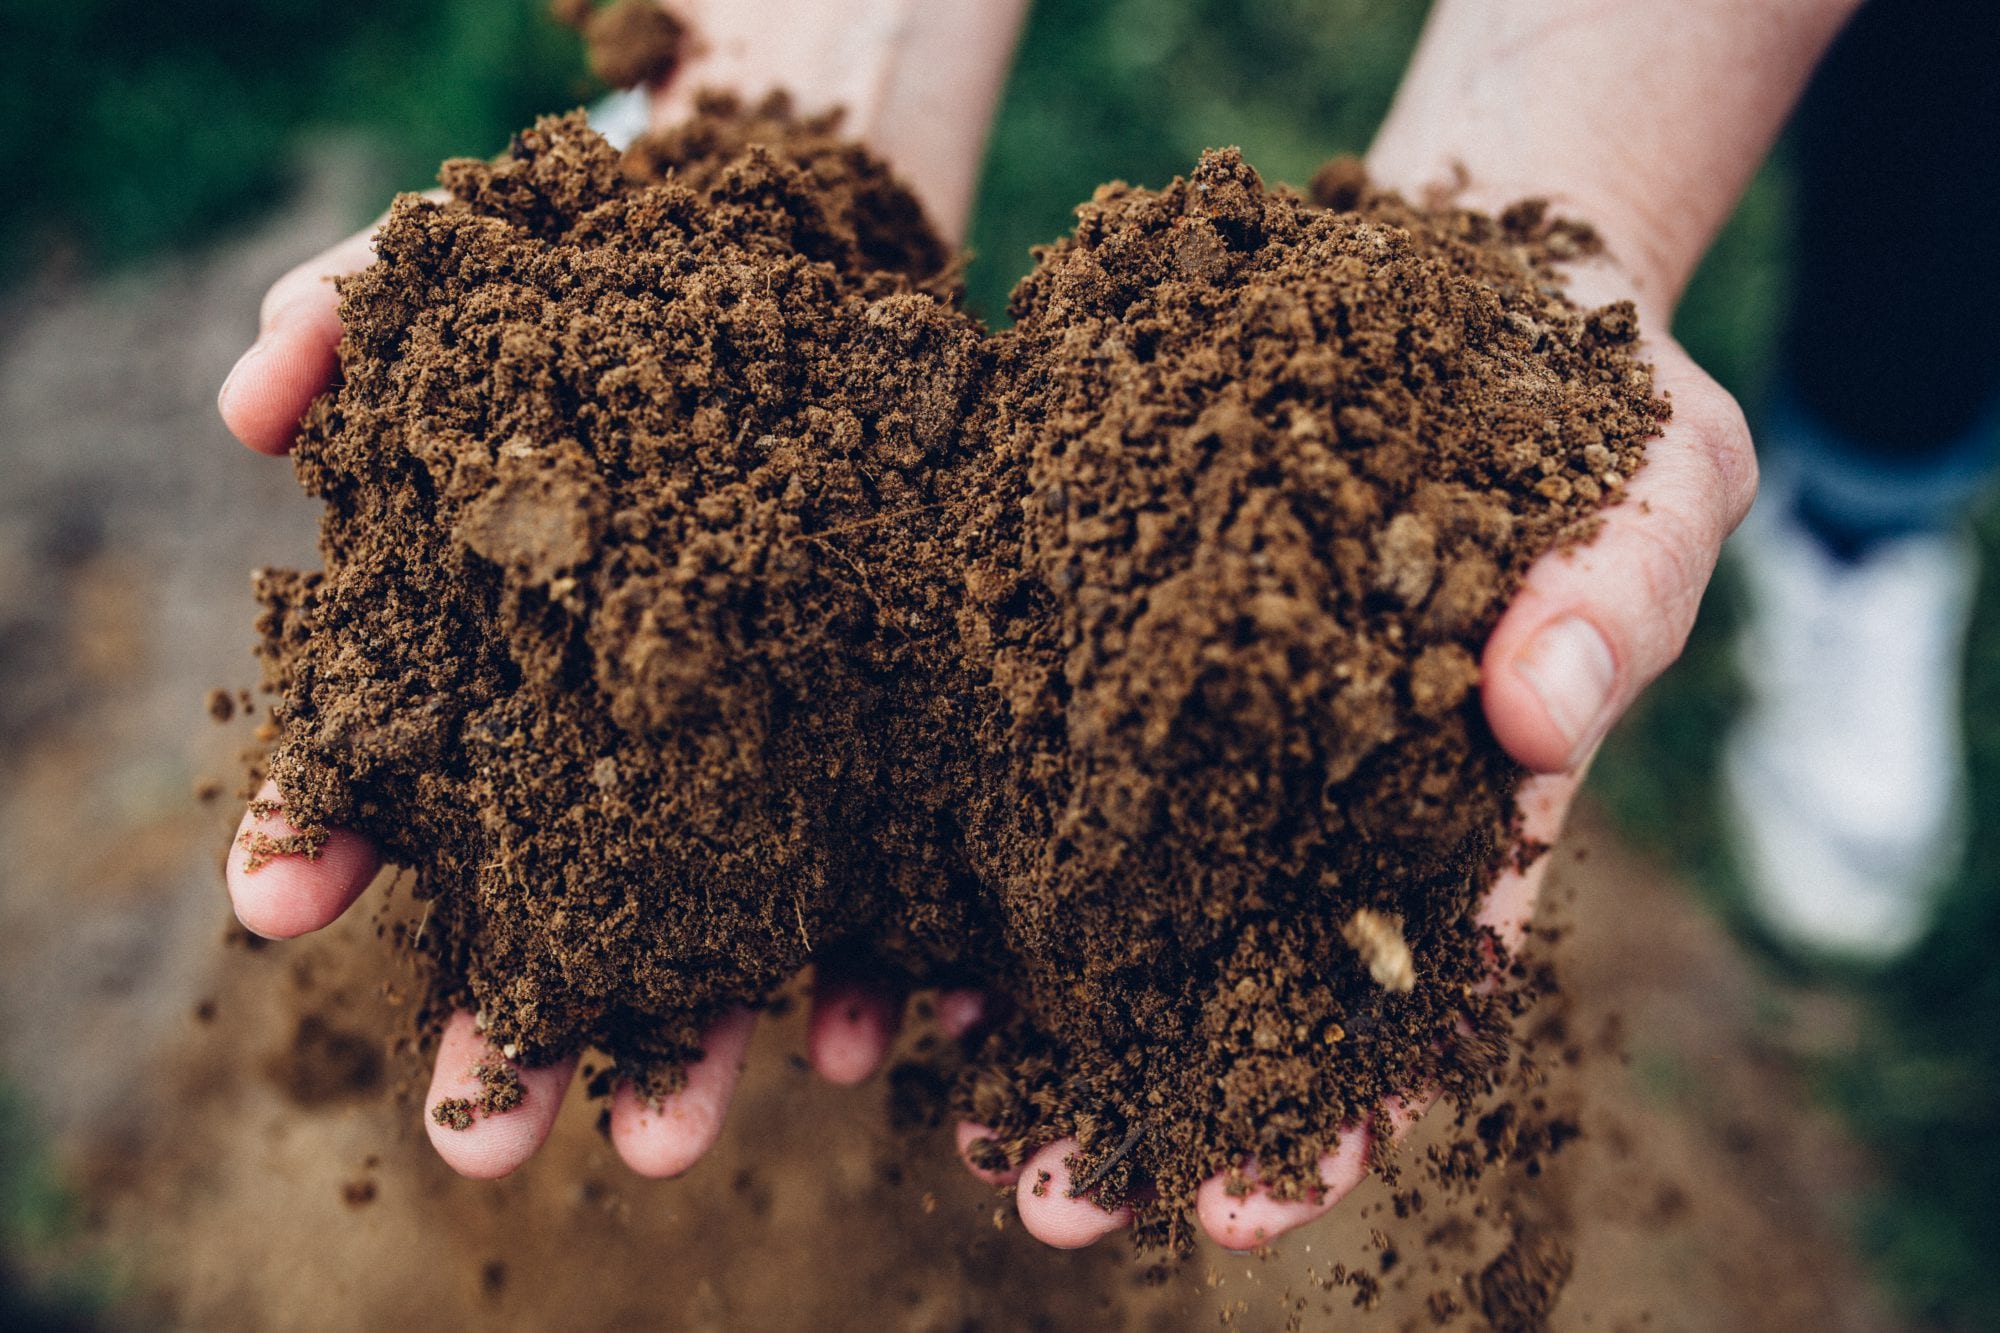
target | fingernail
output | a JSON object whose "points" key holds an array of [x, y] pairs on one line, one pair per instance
{"points": [[235, 373], [1570, 668]]}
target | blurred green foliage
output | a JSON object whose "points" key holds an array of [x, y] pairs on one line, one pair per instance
{"points": [[142, 127], [41, 1286], [1133, 90]]}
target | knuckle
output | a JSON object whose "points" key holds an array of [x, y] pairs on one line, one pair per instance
{"points": [[1718, 437], [1672, 561]]}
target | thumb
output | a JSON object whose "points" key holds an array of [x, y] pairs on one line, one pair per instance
{"points": [[1592, 627]]}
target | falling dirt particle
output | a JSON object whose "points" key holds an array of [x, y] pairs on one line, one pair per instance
{"points": [[1377, 937], [220, 706], [207, 789], [634, 42], [325, 1064], [358, 1193], [1520, 1287]]}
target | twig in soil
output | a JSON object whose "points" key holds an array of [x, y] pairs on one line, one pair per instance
{"points": [[1103, 1168], [867, 522]]}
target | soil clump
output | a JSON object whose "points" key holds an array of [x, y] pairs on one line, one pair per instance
{"points": [[705, 595]]}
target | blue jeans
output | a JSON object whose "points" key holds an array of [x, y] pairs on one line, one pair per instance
{"points": [[1889, 420]]}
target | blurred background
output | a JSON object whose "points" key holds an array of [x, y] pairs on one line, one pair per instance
{"points": [[168, 162]]}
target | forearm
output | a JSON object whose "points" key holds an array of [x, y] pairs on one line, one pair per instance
{"points": [[919, 79], [1643, 118]]}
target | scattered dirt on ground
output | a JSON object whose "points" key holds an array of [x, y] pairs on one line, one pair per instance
{"points": [[323, 1063], [731, 600]]}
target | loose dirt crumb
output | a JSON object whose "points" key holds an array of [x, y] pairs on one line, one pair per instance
{"points": [[1519, 1289], [453, 1113], [500, 1087], [220, 705], [1378, 938], [264, 848]]}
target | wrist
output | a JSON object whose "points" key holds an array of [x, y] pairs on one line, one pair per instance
{"points": [[1638, 263], [1643, 123], [916, 80]]}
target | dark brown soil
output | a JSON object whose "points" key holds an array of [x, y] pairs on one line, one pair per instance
{"points": [[1260, 476], [706, 595], [1711, 1190]]}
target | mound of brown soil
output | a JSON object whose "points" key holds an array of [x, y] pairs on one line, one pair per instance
{"points": [[1259, 477], [705, 594]]}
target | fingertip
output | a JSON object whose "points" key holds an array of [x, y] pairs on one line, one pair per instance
{"points": [[665, 1138], [493, 1144], [850, 1030], [961, 1010], [281, 894], [1239, 1220], [1050, 1214], [1549, 683], [292, 362], [968, 1135]]}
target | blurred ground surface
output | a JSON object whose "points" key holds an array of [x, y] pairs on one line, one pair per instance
{"points": [[215, 1188]]}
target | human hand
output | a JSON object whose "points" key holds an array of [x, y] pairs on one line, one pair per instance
{"points": [[1588, 630], [280, 891]]}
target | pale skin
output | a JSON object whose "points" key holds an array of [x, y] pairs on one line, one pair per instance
{"points": [[1645, 120]]}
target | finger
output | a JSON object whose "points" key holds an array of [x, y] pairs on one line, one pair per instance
{"points": [[290, 893], [1048, 1212], [961, 1011], [854, 1020], [492, 1143], [294, 357], [1593, 626], [1509, 905], [1397, 1116], [971, 1138], [666, 1137], [1245, 1221]]}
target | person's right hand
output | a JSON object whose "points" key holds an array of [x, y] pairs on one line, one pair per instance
{"points": [[854, 1017]]}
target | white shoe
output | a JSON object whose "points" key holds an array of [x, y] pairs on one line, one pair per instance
{"points": [[1845, 776]]}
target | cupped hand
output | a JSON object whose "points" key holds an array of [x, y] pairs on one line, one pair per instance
{"points": [[1589, 629], [282, 894]]}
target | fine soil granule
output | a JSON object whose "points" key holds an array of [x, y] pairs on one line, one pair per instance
{"points": [[706, 595]]}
